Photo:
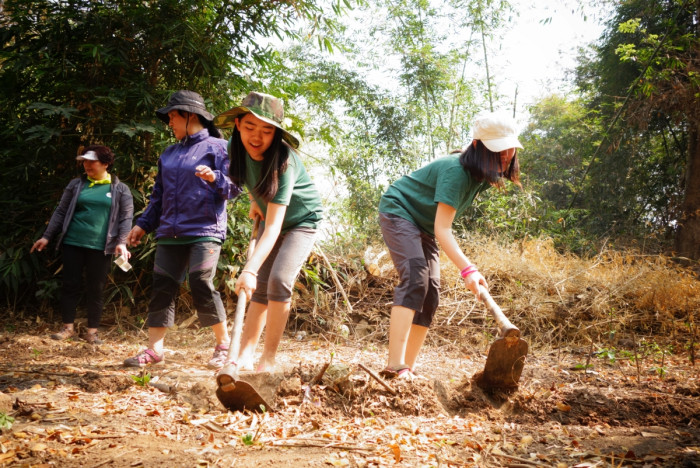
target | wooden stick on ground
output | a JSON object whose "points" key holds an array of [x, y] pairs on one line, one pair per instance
{"points": [[378, 379], [317, 378]]}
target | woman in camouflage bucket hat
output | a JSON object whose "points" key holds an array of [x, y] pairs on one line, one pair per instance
{"points": [[263, 106], [282, 194]]}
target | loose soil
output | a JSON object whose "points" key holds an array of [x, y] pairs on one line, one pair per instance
{"points": [[75, 405]]}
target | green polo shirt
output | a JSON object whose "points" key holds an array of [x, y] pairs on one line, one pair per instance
{"points": [[296, 191], [415, 196], [88, 228]]}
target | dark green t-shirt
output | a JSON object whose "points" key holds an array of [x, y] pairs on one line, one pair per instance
{"points": [[415, 196], [184, 240], [88, 228], [296, 191]]}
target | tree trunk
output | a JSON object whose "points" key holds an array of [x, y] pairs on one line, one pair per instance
{"points": [[688, 237]]}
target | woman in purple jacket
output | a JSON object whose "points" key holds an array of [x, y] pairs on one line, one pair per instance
{"points": [[187, 211]]}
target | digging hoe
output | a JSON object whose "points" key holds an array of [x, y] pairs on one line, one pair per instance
{"points": [[233, 392], [506, 357]]}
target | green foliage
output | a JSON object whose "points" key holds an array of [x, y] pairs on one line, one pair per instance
{"points": [[642, 83], [583, 193], [608, 354], [141, 380], [16, 270], [83, 72], [559, 139], [235, 247], [6, 421]]}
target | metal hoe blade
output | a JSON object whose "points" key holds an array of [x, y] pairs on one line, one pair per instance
{"points": [[242, 397], [506, 357], [236, 394], [504, 364]]}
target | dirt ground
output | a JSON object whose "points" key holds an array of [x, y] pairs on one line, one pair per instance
{"points": [[75, 405]]}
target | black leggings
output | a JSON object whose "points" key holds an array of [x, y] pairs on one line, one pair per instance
{"points": [[95, 265]]}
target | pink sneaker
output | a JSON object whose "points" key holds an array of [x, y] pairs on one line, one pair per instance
{"points": [[218, 360], [144, 358]]}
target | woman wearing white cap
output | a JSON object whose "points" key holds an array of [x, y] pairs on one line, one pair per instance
{"points": [[91, 221], [419, 209]]}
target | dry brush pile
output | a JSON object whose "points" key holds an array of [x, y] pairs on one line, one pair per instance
{"points": [[617, 299]]}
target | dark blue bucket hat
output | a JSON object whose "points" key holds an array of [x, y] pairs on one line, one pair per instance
{"points": [[188, 101]]}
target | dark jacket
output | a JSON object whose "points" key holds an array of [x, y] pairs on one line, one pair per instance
{"points": [[120, 215], [182, 204]]}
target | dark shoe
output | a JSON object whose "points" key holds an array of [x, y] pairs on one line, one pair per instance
{"points": [[144, 358], [92, 338], [65, 334], [218, 360], [393, 372]]}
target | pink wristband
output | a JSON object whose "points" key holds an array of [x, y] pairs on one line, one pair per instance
{"points": [[467, 270]]}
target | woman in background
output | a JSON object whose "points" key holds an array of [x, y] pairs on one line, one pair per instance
{"points": [[91, 223]]}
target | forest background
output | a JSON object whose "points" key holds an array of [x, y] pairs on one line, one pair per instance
{"points": [[612, 165]]}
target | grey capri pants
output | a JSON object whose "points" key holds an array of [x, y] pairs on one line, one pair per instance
{"points": [[199, 261], [417, 259], [280, 269]]}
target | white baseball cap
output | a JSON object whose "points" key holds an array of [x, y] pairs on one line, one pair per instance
{"points": [[88, 156], [497, 130]]}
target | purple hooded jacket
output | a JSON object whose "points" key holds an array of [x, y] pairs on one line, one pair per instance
{"points": [[182, 204]]}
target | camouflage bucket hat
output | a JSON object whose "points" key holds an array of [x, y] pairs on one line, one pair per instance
{"points": [[263, 106]]}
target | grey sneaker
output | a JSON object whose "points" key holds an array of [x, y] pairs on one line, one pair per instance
{"points": [[218, 360], [64, 334], [92, 338], [144, 358]]}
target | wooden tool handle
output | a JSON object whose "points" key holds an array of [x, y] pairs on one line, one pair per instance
{"points": [[506, 328], [377, 378], [235, 346]]}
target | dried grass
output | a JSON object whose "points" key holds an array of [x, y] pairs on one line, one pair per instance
{"points": [[555, 299]]}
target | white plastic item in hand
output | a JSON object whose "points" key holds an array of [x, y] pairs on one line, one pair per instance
{"points": [[123, 263]]}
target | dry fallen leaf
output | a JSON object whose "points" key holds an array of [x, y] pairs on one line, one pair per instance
{"points": [[397, 452], [563, 407], [39, 447]]}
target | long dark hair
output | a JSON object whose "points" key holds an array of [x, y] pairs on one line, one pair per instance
{"points": [[208, 124], [274, 163], [484, 164]]}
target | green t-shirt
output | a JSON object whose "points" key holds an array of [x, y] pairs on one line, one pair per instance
{"points": [[296, 191], [415, 196], [88, 228], [184, 240]]}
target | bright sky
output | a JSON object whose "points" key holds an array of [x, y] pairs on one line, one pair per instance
{"points": [[536, 56]]}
